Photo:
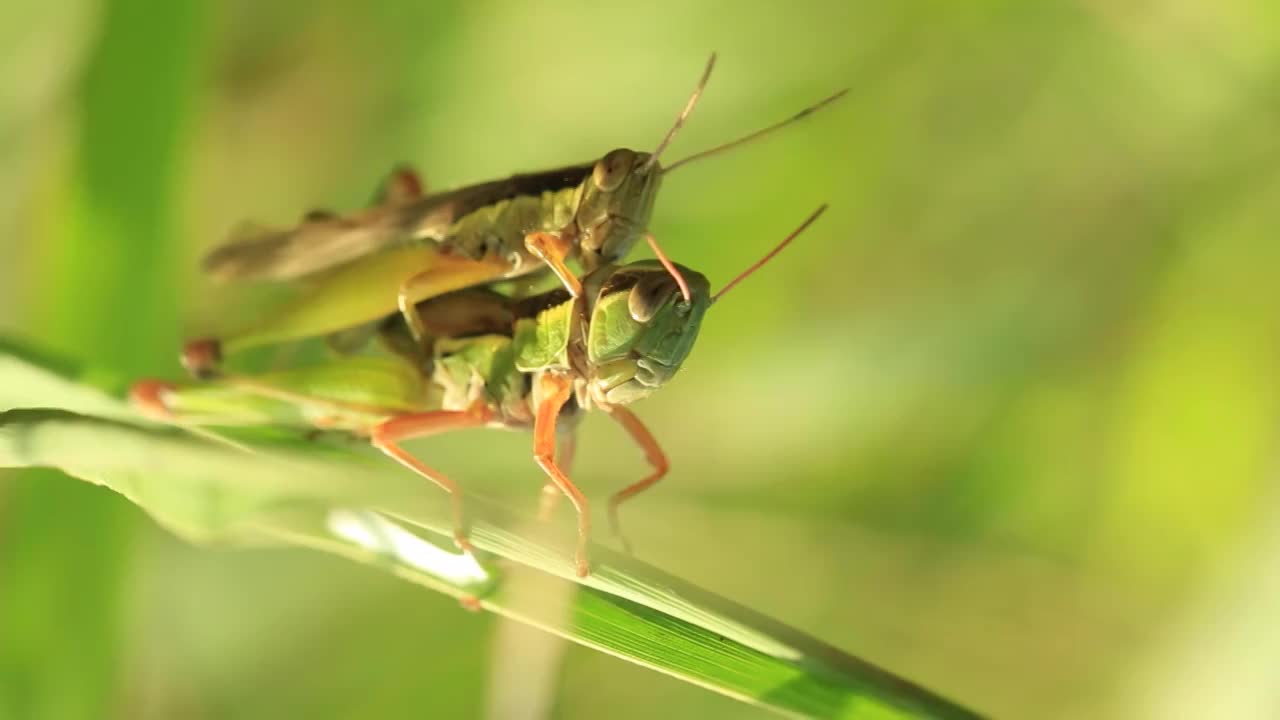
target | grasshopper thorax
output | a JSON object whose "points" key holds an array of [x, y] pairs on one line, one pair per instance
{"points": [[617, 202], [642, 329]]}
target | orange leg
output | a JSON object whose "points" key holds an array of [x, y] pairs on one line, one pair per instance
{"points": [[652, 452], [386, 436], [552, 250], [556, 390], [550, 493]]}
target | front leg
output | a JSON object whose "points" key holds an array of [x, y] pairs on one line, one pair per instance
{"points": [[555, 389], [550, 493], [553, 249]]}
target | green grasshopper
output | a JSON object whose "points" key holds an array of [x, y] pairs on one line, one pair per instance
{"points": [[493, 361], [425, 245]]}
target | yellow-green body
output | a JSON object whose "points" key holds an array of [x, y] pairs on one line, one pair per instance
{"points": [[623, 333], [639, 333], [411, 247], [483, 245]]}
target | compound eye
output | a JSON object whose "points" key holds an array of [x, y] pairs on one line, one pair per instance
{"points": [[612, 169], [648, 296]]}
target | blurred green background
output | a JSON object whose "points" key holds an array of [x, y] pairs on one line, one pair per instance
{"points": [[1004, 421]]}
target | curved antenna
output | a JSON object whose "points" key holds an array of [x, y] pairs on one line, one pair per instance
{"points": [[757, 134], [684, 115], [671, 268], [769, 255]]}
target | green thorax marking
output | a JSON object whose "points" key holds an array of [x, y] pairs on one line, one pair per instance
{"points": [[500, 228], [542, 341], [481, 367]]}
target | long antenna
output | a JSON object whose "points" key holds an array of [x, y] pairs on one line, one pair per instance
{"points": [[757, 134], [769, 255], [670, 266], [684, 115]]}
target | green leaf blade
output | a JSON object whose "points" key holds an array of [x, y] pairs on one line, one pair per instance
{"points": [[269, 491]]}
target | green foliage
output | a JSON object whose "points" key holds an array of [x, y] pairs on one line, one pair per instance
{"points": [[995, 422], [257, 493]]}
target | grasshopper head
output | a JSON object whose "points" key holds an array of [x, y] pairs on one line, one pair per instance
{"points": [[617, 200], [642, 329], [644, 324], [616, 204]]}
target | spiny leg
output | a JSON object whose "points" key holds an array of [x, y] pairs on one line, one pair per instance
{"points": [[652, 452], [550, 493], [555, 391], [387, 435], [553, 249]]}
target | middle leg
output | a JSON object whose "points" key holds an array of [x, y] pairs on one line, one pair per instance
{"points": [[555, 392]]}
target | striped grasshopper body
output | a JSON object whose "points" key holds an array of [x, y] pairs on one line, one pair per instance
{"points": [[412, 246], [488, 361]]}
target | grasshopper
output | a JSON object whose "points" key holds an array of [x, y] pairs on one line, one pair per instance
{"points": [[410, 246], [492, 361]]}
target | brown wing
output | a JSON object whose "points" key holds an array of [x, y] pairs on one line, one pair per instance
{"points": [[322, 243], [271, 254]]}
